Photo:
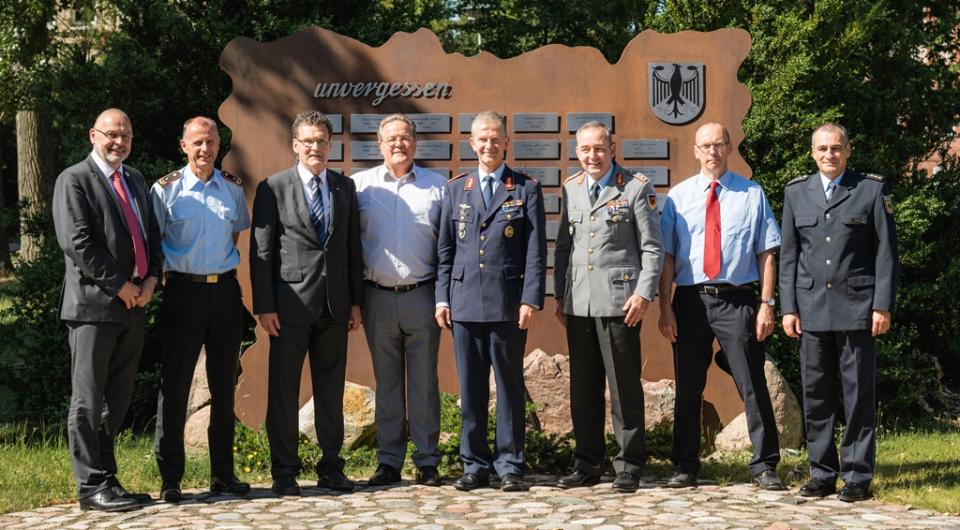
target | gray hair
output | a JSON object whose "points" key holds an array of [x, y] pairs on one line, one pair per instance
{"points": [[832, 127], [489, 117], [396, 117], [311, 118], [594, 124]]}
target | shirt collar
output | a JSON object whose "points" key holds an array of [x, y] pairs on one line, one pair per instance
{"points": [[497, 173], [604, 180], [826, 180], [306, 175], [412, 174], [103, 166], [703, 181], [190, 179]]}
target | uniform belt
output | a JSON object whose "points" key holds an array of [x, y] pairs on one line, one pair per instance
{"points": [[719, 288], [201, 278], [399, 288]]}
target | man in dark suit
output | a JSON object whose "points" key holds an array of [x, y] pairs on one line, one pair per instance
{"points": [[306, 271], [838, 269], [111, 248], [490, 280], [608, 257]]}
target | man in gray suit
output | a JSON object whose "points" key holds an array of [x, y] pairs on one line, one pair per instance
{"points": [[111, 248], [608, 258], [306, 271]]}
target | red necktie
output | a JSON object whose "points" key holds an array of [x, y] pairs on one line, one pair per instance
{"points": [[139, 248], [711, 236]]}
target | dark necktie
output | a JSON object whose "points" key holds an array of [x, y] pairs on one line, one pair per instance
{"points": [[711, 236], [316, 211], [487, 190], [594, 193], [139, 247]]}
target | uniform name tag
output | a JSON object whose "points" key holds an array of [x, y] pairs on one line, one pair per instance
{"points": [[856, 220]]}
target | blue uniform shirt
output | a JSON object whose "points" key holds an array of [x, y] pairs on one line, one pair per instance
{"points": [[197, 221], [747, 228]]}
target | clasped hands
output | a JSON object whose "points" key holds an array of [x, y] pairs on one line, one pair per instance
{"points": [[133, 295]]}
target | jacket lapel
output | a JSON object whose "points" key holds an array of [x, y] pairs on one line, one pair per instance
{"points": [[815, 190], [338, 200], [607, 194], [501, 194], [842, 191], [107, 189], [300, 202]]}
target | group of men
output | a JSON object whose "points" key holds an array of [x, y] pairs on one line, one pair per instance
{"points": [[409, 253]]}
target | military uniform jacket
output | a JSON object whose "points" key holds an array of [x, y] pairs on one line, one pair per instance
{"points": [[838, 260], [491, 260], [608, 251]]}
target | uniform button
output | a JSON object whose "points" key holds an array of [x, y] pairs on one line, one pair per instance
{"points": [[626, 277], [589, 251], [482, 252], [589, 267], [829, 286], [509, 216], [828, 216], [828, 239], [828, 262], [593, 218], [481, 266], [483, 238], [591, 234], [483, 225]]}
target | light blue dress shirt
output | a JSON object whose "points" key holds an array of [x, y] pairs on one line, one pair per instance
{"points": [[197, 221], [497, 175], [825, 181], [747, 228], [604, 180]]}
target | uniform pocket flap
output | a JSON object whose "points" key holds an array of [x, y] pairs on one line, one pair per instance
{"points": [[575, 217], [804, 282], [860, 281], [622, 274], [805, 221], [289, 274], [457, 272]]}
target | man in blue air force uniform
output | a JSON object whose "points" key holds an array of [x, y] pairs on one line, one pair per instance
{"points": [[490, 281]]}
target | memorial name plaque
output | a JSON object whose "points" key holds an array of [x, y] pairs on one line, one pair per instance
{"points": [[432, 150], [553, 228], [465, 121], [442, 171], [573, 170], [431, 123], [550, 287], [536, 149], [536, 122], [551, 203], [572, 149], [336, 151], [661, 200], [462, 170], [639, 149], [546, 176], [466, 152], [576, 119], [337, 121], [550, 252], [365, 150], [365, 123], [658, 174]]}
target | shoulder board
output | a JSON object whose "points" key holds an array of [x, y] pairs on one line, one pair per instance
{"points": [[801, 178], [460, 176], [232, 178], [571, 177], [169, 178], [641, 177], [874, 176]]}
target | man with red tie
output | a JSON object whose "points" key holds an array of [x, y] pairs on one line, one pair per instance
{"points": [[719, 238], [111, 247]]}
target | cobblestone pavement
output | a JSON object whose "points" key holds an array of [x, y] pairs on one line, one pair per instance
{"points": [[413, 506]]}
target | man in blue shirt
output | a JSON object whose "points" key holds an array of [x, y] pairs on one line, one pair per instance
{"points": [[200, 211], [719, 237]]}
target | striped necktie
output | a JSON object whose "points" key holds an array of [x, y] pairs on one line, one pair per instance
{"points": [[316, 210]]}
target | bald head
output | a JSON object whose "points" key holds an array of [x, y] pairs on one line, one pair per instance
{"points": [[201, 143], [112, 136], [712, 149]]}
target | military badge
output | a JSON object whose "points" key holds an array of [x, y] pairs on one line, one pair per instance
{"points": [[508, 231], [461, 230], [652, 201], [888, 203], [511, 206], [676, 97]]}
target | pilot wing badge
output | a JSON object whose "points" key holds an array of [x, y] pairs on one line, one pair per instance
{"points": [[676, 91]]}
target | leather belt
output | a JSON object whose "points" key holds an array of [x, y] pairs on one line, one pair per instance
{"points": [[201, 278], [399, 288], [720, 288]]}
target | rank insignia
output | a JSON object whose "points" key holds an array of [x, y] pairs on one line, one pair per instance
{"points": [[652, 201], [888, 203], [508, 231]]}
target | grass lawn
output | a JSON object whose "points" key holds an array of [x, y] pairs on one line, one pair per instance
{"points": [[917, 467]]}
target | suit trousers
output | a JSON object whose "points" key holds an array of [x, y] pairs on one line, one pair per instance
{"points": [[324, 343], [821, 354], [605, 350], [104, 361], [194, 315], [477, 347], [404, 337], [730, 317]]}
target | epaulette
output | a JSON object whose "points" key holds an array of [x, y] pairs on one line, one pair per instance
{"points": [[460, 176], [571, 177], [801, 178], [641, 177], [232, 178], [169, 178], [874, 176]]}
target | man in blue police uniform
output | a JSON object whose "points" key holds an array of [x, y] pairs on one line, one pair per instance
{"points": [[400, 205], [491, 256], [719, 237], [608, 259], [837, 289], [201, 211]]}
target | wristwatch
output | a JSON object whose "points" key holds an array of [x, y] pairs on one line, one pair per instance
{"points": [[772, 301]]}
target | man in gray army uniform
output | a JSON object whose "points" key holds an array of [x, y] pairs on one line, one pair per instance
{"points": [[838, 269], [608, 257]]}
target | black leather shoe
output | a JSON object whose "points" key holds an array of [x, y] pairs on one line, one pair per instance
{"points": [[384, 475], [106, 500], [626, 482], [170, 492], [229, 485], [513, 482], [768, 480], [285, 487], [471, 481], [816, 487], [855, 491], [122, 492], [429, 476], [578, 479], [682, 479], [336, 481]]}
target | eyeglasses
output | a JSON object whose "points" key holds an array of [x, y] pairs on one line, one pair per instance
{"points": [[706, 148], [313, 142], [395, 139], [116, 137]]}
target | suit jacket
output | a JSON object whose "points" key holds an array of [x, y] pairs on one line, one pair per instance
{"points": [[838, 260], [287, 262], [608, 251], [491, 260], [96, 242]]}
